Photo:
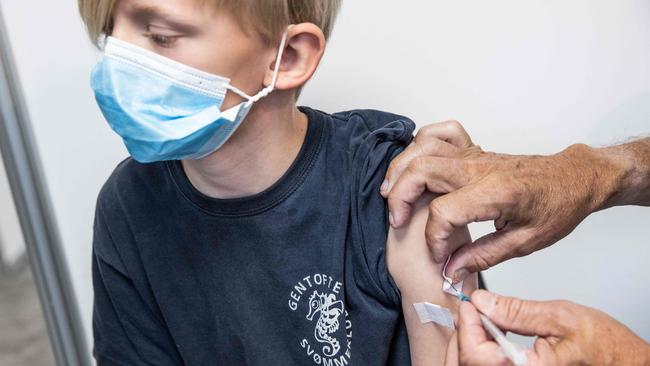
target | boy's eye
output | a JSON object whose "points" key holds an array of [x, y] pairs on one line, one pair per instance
{"points": [[161, 36], [162, 40]]}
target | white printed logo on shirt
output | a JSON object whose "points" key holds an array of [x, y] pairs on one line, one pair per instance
{"points": [[320, 293]]}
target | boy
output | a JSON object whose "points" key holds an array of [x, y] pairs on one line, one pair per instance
{"points": [[262, 242]]}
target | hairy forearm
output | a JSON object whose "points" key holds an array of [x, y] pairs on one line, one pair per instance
{"points": [[629, 179], [610, 176]]}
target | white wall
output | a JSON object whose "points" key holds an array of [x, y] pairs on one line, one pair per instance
{"points": [[524, 77]]}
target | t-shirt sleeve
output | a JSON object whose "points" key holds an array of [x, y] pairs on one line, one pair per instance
{"points": [[127, 327], [387, 136]]}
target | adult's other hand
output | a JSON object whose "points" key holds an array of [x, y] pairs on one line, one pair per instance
{"points": [[567, 333]]}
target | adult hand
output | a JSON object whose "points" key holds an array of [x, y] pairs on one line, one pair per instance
{"points": [[567, 333], [533, 200]]}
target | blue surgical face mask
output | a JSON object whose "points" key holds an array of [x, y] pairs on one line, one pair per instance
{"points": [[165, 110]]}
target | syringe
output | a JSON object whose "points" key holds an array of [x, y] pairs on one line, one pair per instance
{"points": [[511, 350]]}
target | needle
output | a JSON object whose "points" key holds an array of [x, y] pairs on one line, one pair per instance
{"points": [[511, 350]]}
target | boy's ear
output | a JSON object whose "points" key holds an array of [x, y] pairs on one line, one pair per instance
{"points": [[303, 50]]}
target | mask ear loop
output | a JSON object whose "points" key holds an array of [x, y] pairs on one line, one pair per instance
{"points": [[266, 91]]}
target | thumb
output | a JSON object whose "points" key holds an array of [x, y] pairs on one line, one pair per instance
{"points": [[530, 318], [486, 252]]}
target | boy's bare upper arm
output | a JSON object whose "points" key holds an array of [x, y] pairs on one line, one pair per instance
{"points": [[419, 278]]}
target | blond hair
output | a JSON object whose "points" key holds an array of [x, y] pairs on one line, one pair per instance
{"points": [[268, 17]]}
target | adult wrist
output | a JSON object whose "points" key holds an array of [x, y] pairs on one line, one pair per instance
{"points": [[631, 173], [637, 353]]}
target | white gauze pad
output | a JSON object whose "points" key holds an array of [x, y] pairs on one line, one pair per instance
{"points": [[428, 312], [447, 284]]}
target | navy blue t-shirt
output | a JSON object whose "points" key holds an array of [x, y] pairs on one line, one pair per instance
{"points": [[294, 275]]}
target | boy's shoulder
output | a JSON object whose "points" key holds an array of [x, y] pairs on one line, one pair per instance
{"points": [[373, 119], [368, 120], [361, 127], [370, 140]]}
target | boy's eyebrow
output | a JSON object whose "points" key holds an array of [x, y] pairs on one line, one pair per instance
{"points": [[145, 13]]}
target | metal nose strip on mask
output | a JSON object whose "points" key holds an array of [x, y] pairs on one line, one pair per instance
{"points": [[181, 74]]}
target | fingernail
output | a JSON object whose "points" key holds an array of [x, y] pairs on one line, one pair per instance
{"points": [[485, 301], [460, 274], [384, 186], [390, 219]]}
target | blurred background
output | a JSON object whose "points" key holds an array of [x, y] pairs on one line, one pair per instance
{"points": [[524, 77]]}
